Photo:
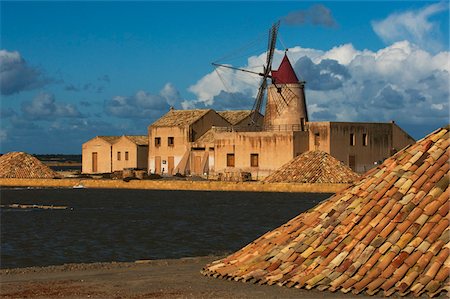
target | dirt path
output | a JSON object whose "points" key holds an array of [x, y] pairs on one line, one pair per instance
{"points": [[179, 278]]}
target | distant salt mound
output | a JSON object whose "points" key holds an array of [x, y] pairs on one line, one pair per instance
{"points": [[313, 167], [389, 233], [21, 165]]}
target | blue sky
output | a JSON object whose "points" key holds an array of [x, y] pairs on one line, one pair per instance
{"points": [[74, 70]]}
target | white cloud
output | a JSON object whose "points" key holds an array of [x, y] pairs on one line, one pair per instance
{"points": [[414, 26], [16, 75]]}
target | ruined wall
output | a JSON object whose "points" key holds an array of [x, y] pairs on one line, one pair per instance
{"points": [[103, 150], [273, 149], [360, 157], [301, 142], [319, 136]]}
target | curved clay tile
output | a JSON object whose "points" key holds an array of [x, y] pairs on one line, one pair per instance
{"points": [[387, 233], [313, 167], [24, 166]]}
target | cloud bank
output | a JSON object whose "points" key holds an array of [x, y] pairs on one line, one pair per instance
{"points": [[400, 82], [143, 104]]}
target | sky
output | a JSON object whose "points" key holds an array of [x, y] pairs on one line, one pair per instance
{"points": [[70, 71]]}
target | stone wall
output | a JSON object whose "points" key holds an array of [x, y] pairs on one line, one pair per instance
{"points": [[176, 185]]}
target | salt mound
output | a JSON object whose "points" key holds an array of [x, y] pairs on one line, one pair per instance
{"points": [[313, 167], [24, 166], [388, 232]]}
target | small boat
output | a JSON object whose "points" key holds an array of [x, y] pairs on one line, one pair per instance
{"points": [[79, 186]]}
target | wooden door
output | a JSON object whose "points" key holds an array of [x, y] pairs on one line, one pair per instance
{"points": [[198, 165], [158, 164], [94, 162], [352, 162], [170, 165]]}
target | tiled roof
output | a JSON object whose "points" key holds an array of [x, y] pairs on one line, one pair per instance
{"points": [[24, 166], [179, 118], [139, 140], [109, 139], [234, 116], [313, 167], [388, 232], [208, 137]]}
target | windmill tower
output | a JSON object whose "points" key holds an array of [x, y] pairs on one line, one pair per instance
{"points": [[286, 105]]}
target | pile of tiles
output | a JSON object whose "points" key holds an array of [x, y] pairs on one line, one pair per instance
{"points": [[313, 167], [24, 166], [387, 233]]}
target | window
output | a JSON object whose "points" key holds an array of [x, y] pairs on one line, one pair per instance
{"points": [[352, 139], [365, 140], [157, 141], [126, 156], [254, 160], [230, 160], [170, 141], [118, 156], [316, 139]]}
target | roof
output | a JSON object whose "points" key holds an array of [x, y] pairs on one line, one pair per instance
{"points": [[388, 232], [235, 116], [109, 139], [24, 166], [207, 137], [285, 73], [180, 118], [138, 139], [313, 167]]}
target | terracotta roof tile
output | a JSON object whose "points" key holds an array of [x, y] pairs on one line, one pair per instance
{"points": [[24, 166], [389, 232]]}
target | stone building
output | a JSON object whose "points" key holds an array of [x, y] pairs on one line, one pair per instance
{"points": [[105, 154], [228, 143], [171, 140], [130, 152]]}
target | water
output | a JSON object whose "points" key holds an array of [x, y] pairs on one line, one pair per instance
{"points": [[127, 225]]}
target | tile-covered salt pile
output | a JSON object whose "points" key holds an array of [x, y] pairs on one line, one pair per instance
{"points": [[24, 166], [313, 167], [388, 233]]}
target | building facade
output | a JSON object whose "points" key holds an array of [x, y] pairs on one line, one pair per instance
{"points": [[171, 138], [97, 154], [106, 154]]}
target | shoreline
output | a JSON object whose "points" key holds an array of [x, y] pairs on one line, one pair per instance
{"points": [[170, 278], [174, 185]]}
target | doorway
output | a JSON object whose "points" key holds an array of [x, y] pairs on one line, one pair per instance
{"points": [[158, 164], [94, 162]]}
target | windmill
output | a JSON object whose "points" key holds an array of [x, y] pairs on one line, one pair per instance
{"points": [[285, 83]]}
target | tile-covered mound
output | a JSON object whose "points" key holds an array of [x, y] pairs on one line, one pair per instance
{"points": [[313, 167], [24, 166], [388, 232]]}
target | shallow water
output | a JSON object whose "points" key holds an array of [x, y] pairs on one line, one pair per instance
{"points": [[128, 225]]}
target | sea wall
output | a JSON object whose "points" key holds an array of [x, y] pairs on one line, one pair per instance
{"points": [[175, 185]]}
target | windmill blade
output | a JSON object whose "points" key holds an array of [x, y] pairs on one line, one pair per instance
{"points": [[267, 69]]}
